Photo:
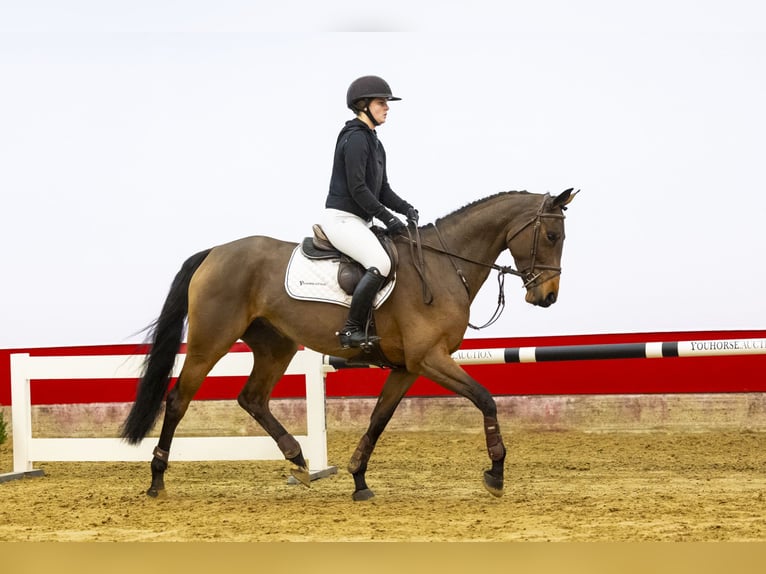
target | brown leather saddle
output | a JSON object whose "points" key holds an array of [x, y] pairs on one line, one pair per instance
{"points": [[349, 271]]}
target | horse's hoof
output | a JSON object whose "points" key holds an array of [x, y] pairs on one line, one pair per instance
{"points": [[301, 475], [156, 493], [361, 495], [493, 484]]}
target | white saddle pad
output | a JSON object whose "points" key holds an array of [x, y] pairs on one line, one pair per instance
{"points": [[317, 280]]}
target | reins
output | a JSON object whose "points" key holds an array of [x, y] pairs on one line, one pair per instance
{"points": [[529, 276], [501, 272], [419, 263]]}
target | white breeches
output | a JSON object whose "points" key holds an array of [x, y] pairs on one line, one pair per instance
{"points": [[351, 235]]}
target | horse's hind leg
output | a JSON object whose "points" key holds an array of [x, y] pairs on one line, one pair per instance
{"points": [[394, 388], [272, 353], [194, 371]]}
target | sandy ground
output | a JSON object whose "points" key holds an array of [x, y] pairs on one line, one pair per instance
{"points": [[560, 486]]}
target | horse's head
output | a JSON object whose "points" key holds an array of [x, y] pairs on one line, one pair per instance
{"points": [[536, 248]]}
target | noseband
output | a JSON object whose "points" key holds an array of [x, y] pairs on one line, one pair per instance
{"points": [[529, 276]]}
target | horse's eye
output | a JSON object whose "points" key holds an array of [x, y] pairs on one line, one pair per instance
{"points": [[553, 237]]}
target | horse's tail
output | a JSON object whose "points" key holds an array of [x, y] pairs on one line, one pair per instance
{"points": [[165, 334]]}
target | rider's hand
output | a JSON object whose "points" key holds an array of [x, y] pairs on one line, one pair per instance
{"points": [[394, 225], [412, 215]]}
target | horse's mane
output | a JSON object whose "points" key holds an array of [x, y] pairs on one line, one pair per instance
{"points": [[475, 203]]}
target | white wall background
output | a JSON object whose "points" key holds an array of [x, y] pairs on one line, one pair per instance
{"points": [[133, 134]]}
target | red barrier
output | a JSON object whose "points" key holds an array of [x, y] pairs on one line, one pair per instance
{"points": [[731, 374]]}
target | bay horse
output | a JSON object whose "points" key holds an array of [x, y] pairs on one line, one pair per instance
{"points": [[236, 291]]}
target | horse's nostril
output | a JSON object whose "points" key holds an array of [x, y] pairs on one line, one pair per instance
{"points": [[551, 298]]}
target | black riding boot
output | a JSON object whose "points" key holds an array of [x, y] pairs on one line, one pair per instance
{"points": [[353, 333]]}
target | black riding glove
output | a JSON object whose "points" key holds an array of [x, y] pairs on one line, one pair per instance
{"points": [[412, 215], [394, 225]]}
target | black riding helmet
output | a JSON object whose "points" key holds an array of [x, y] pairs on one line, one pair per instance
{"points": [[367, 88]]}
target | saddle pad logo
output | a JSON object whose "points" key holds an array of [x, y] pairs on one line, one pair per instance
{"points": [[317, 280]]}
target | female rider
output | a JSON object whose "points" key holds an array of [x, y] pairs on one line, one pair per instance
{"points": [[359, 191]]}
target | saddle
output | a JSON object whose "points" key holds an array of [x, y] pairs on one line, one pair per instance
{"points": [[349, 270]]}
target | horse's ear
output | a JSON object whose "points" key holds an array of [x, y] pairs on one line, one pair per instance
{"points": [[564, 198]]}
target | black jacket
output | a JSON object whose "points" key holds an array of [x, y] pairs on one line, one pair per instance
{"points": [[359, 183]]}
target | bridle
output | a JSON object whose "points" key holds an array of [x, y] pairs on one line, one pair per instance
{"points": [[530, 275]]}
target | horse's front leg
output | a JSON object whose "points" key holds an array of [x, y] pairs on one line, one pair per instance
{"points": [[396, 385], [493, 478], [443, 370]]}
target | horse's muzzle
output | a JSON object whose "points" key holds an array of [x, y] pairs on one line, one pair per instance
{"points": [[543, 295]]}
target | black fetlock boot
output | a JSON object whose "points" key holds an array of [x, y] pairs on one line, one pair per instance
{"points": [[353, 333]]}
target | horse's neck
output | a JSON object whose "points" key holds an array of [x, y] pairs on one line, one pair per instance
{"points": [[479, 235]]}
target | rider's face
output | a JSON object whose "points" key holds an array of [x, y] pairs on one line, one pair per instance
{"points": [[379, 109]]}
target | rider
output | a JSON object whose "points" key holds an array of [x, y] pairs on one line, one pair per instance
{"points": [[359, 191]]}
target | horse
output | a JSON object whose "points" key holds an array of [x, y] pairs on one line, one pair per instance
{"points": [[236, 291]]}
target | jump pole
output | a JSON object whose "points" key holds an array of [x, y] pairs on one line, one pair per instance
{"points": [[655, 350]]}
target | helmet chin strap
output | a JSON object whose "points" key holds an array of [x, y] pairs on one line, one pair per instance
{"points": [[367, 113]]}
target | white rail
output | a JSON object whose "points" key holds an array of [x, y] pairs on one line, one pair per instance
{"points": [[27, 449]]}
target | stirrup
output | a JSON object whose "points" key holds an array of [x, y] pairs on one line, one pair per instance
{"points": [[356, 338]]}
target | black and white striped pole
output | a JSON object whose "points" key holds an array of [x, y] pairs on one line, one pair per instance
{"points": [[656, 350]]}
